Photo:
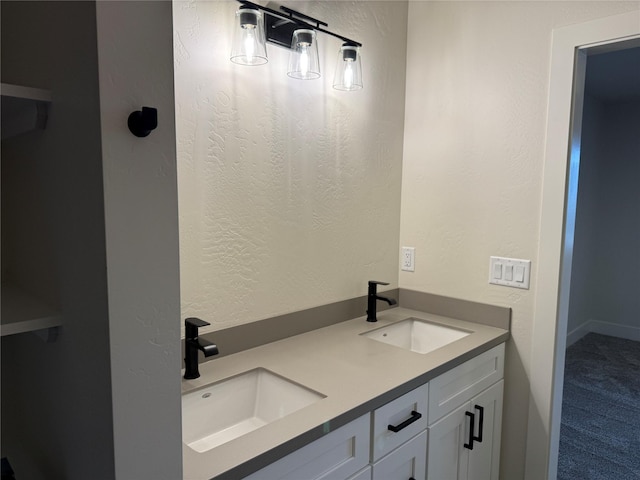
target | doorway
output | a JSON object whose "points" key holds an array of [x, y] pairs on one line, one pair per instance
{"points": [[601, 394], [606, 256], [570, 48]]}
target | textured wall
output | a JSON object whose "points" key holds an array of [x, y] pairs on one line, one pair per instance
{"points": [[477, 91], [289, 191], [605, 279]]}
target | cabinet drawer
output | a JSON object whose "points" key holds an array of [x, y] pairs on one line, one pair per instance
{"points": [[408, 461], [408, 414], [458, 385], [364, 474], [337, 455]]}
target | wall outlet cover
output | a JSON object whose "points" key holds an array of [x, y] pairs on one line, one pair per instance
{"points": [[408, 259]]}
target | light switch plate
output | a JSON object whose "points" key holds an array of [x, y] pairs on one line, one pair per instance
{"points": [[509, 272]]}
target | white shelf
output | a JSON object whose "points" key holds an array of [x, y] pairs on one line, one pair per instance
{"points": [[23, 109], [23, 312], [25, 93]]}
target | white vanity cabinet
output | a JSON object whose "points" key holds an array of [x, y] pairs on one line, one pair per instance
{"points": [[464, 432], [399, 437], [419, 435], [338, 455], [398, 421], [364, 474], [406, 462]]}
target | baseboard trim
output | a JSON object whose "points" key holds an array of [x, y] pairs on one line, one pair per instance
{"points": [[603, 328], [577, 333]]}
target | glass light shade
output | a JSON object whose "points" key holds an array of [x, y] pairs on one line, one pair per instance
{"points": [[303, 59], [348, 74], [249, 41]]}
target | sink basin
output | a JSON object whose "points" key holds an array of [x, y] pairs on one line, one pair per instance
{"points": [[233, 407], [417, 335]]}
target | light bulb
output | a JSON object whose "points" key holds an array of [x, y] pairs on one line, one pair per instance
{"points": [[304, 60], [249, 44], [348, 75]]}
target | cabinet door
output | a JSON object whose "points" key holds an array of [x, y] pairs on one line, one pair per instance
{"points": [[405, 463], [484, 459], [447, 457]]}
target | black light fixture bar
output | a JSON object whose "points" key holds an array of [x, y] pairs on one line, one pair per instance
{"points": [[279, 26], [302, 16]]}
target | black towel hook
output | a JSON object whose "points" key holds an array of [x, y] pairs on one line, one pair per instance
{"points": [[141, 122]]}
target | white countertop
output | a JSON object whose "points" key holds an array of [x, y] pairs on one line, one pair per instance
{"points": [[357, 374]]}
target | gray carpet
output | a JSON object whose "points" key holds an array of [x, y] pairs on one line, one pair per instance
{"points": [[600, 430]]}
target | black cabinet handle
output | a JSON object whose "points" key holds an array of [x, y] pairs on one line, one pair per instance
{"points": [[415, 416], [471, 425], [480, 423]]}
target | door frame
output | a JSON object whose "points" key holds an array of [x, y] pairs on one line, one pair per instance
{"points": [[570, 46]]}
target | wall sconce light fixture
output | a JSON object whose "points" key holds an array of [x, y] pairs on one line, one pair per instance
{"points": [[256, 25], [349, 69], [303, 59], [249, 47]]}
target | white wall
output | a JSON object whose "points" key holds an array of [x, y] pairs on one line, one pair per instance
{"points": [[289, 191], [606, 256], [141, 225], [56, 397], [477, 91]]}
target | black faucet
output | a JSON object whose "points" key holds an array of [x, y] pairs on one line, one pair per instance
{"points": [[372, 297], [191, 346]]}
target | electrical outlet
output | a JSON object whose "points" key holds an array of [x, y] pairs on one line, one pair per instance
{"points": [[408, 259]]}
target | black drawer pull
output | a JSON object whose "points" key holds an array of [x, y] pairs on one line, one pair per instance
{"points": [[471, 424], [480, 423], [415, 416]]}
